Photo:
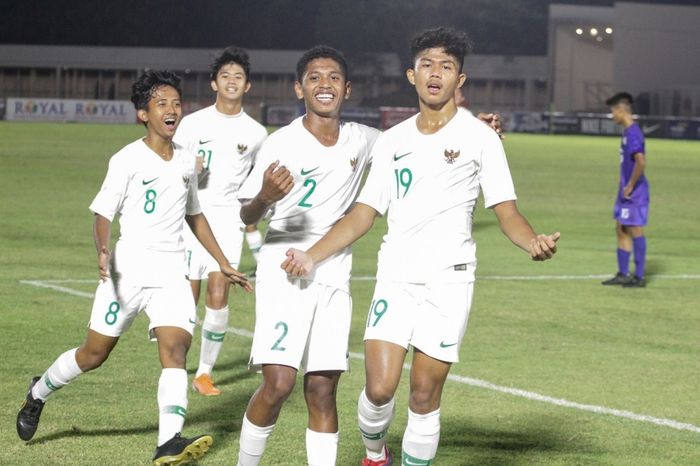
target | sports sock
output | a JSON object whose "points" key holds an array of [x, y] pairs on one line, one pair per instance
{"points": [[172, 403], [321, 447], [252, 442], [639, 245], [623, 261], [254, 240], [374, 422], [213, 333], [420, 440], [61, 372]]}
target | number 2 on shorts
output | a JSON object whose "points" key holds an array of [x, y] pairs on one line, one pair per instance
{"points": [[285, 329], [377, 310]]}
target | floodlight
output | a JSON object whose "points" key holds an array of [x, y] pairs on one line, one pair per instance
{"points": [[608, 30], [579, 31], [594, 32]]}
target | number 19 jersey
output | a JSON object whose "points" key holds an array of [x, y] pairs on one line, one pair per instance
{"points": [[429, 183]]}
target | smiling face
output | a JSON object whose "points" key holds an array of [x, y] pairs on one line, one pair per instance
{"points": [[436, 76], [231, 82], [163, 113], [323, 87]]}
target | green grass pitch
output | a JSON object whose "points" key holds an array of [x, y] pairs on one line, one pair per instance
{"points": [[555, 368]]}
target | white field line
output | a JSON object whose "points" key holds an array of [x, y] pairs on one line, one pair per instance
{"points": [[453, 377]]}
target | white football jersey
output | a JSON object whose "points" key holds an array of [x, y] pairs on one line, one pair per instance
{"points": [[228, 144], [152, 197], [326, 182], [429, 183]]}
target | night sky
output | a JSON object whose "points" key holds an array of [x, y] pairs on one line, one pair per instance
{"points": [[509, 27]]}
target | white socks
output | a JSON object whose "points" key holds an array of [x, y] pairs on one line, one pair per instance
{"points": [[321, 447], [63, 370], [213, 333], [254, 240], [374, 422], [252, 442], [172, 403], [421, 438]]}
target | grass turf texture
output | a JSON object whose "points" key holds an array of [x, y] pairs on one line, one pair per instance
{"points": [[634, 350]]}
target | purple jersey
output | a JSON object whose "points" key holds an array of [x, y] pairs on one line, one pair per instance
{"points": [[632, 143]]}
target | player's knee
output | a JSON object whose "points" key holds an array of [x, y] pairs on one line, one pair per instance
{"points": [[217, 297], [424, 399], [378, 393], [276, 390], [320, 397]]}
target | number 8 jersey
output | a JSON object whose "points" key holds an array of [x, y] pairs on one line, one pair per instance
{"points": [[152, 197]]}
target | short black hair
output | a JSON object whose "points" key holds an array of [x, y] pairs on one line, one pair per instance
{"points": [[620, 97], [231, 54], [455, 43], [143, 88], [321, 51]]}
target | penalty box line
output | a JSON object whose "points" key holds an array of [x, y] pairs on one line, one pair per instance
{"points": [[52, 284]]}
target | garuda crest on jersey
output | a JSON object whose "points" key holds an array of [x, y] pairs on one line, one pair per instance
{"points": [[242, 148], [353, 163], [451, 155]]}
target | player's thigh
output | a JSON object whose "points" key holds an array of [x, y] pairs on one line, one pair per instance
{"points": [[392, 312], [383, 367], [115, 306], [327, 346], [442, 320], [171, 305], [283, 315]]}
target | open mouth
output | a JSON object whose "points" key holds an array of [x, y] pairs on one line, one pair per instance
{"points": [[434, 88], [170, 122], [325, 98]]}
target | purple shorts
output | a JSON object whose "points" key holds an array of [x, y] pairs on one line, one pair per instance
{"points": [[629, 214]]}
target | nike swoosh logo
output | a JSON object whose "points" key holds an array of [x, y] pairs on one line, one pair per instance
{"points": [[397, 157], [192, 321], [144, 182], [201, 143], [446, 345], [306, 172], [650, 128]]}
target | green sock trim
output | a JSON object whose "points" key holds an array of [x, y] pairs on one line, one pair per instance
{"points": [[174, 409], [50, 384], [408, 460], [213, 336], [370, 436]]}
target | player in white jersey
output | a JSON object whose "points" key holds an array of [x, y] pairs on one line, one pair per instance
{"points": [[226, 141], [309, 173], [152, 185], [427, 173]]}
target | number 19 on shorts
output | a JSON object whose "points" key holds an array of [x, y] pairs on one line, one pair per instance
{"points": [[376, 311]]}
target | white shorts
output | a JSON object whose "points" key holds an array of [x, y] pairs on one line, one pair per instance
{"points": [[431, 317], [118, 303], [299, 323], [228, 231]]}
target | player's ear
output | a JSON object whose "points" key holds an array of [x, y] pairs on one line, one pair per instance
{"points": [[298, 90], [348, 90], [214, 87], [247, 86], [411, 76], [461, 79], [142, 116]]}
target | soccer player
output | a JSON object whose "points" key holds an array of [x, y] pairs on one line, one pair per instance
{"points": [[309, 173], [226, 141], [152, 185], [632, 203], [426, 172]]}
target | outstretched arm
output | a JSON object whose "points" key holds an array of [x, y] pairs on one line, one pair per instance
{"points": [[516, 227], [277, 183], [345, 232], [101, 233], [200, 227]]}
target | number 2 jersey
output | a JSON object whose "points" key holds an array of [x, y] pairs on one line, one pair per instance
{"points": [[429, 183], [326, 182], [152, 197]]}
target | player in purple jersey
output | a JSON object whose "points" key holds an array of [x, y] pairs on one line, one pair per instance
{"points": [[632, 203]]}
